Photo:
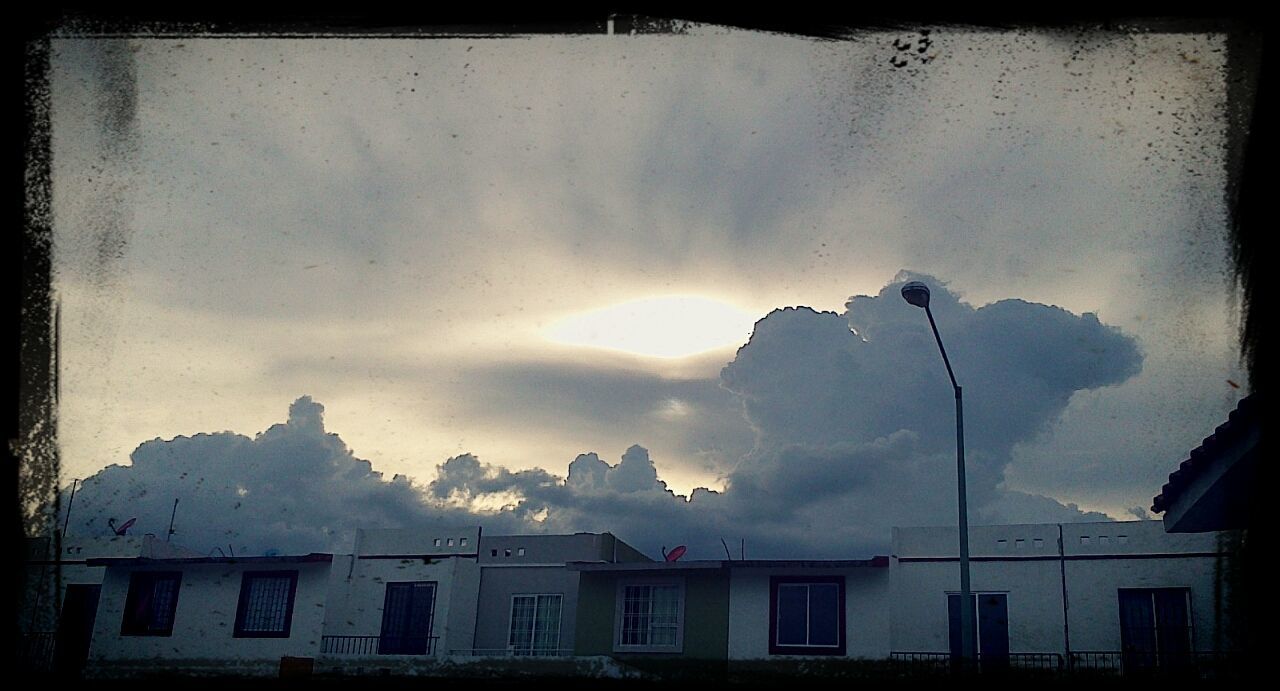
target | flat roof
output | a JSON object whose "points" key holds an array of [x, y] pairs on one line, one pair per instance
{"points": [[874, 562], [314, 557]]}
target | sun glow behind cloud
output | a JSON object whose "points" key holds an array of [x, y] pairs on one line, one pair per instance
{"points": [[672, 326]]}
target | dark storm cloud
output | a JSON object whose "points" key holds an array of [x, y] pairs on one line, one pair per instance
{"points": [[852, 424], [692, 417]]}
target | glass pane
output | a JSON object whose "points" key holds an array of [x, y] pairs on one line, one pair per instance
{"points": [[165, 590], [636, 605], [824, 614], [522, 616], [1173, 630], [666, 615], [793, 615], [267, 606], [546, 629]]}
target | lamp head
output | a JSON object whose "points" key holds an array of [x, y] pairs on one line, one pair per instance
{"points": [[916, 293]]}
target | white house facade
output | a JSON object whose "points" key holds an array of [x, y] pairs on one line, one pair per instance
{"points": [[1111, 595], [1105, 594]]}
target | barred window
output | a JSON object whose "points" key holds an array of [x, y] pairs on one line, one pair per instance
{"points": [[266, 604], [650, 617], [535, 624], [151, 603]]}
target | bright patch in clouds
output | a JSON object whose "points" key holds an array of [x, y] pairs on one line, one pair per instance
{"points": [[666, 327]]}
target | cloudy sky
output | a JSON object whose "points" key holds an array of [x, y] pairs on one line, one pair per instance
{"points": [[560, 283]]}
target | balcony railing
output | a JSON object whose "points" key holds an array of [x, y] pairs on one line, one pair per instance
{"points": [[378, 645]]}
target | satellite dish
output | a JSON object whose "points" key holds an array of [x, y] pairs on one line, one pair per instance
{"points": [[124, 527], [675, 553]]}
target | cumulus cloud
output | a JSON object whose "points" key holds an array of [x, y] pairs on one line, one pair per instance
{"points": [[852, 417], [292, 487]]}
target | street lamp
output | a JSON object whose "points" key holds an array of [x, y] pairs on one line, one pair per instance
{"points": [[917, 293]]}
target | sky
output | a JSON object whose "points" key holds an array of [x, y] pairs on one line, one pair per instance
{"points": [[640, 284]]}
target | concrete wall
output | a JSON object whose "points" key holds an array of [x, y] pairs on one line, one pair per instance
{"points": [[415, 542], [202, 639], [46, 571], [357, 592], [706, 613], [866, 610], [535, 564], [1023, 562], [498, 585]]}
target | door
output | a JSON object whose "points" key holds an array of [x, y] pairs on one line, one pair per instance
{"points": [[406, 619], [991, 628], [1155, 627], [75, 628]]}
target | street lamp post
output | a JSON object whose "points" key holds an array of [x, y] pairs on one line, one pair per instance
{"points": [[917, 293]]}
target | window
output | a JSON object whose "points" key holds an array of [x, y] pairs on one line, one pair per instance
{"points": [[1155, 627], [266, 604], [806, 616], [649, 617], [407, 613], [150, 604], [535, 624], [520, 552]]}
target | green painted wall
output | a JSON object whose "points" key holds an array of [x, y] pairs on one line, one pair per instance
{"points": [[594, 634], [706, 615]]}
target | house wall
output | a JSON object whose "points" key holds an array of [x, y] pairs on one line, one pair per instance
{"points": [[357, 593], [706, 613], [46, 571], [535, 564], [554, 549], [1031, 574], [202, 639], [1152, 559], [499, 584], [867, 610]]}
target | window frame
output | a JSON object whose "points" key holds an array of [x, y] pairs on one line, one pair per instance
{"points": [[619, 607], [533, 622], [1163, 652], [129, 625], [242, 605], [841, 634]]}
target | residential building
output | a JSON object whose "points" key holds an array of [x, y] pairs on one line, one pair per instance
{"points": [[1106, 594], [528, 600], [208, 615], [710, 611], [1112, 595], [60, 604]]}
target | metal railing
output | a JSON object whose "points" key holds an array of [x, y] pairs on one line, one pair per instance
{"points": [[1199, 664], [513, 652], [939, 663], [378, 645], [1202, 665], [35, 650]]}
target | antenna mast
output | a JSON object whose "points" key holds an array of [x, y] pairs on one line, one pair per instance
{"points": [[67, 519], [171, 516]]}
